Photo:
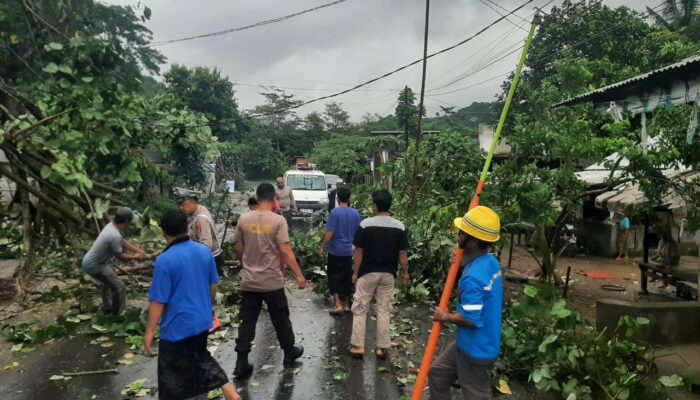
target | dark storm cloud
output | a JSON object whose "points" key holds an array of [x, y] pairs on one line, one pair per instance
{"points": [[342, 45]]}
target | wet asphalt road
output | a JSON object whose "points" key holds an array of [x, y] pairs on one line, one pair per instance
{"points": [[325, 371]]}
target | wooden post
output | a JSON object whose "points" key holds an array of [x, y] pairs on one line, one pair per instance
{"points": [[414, 180], [645, 242], [510, 250]]}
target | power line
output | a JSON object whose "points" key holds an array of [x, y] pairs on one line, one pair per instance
{"points": [[510, 50], [499, 13], [481, 31], [506, 10], [264, 86], [242, 28], [586, 40], [292, 78], [490, 45], [493, 59]]}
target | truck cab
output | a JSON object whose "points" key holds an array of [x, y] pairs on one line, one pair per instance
{"points": [[309, 188]]}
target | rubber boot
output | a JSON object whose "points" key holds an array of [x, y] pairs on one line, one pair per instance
{"points": [[243, 368], [291, 355]]}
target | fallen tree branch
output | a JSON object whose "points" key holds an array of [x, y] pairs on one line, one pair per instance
{"points": [[136, 268], [19, 135], [98, 372], [41, 196]]}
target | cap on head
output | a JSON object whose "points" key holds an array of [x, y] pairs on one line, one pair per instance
{"points": [[480, 222], [124, 215]]}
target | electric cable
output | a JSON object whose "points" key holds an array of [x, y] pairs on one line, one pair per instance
{"points": [[242, 28]]}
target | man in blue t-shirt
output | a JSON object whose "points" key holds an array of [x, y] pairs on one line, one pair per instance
{"points": [[182, 293], [471, 357], [340, 232]]}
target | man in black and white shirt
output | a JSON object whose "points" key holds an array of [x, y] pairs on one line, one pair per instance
{"points": [[381, 244]]}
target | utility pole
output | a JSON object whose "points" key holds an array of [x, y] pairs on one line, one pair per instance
{"points": [[414, 181], [405, 113]]}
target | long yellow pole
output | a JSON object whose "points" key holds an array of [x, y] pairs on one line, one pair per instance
{"points": [[454, 268]]}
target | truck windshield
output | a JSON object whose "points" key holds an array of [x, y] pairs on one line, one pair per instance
{"points": [[306, 182]]}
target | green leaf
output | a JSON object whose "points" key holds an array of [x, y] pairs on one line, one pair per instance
{"points": [[51, 68], [340, 376], [54, 46], [548, 340], [671, 381], [65, 69], [530, 291], [137, 384], [17, 347], [383, 369], [87, 79], [536, 376]]}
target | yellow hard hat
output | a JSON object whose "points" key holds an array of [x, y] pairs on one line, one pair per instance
{"points": [[480, 222]]}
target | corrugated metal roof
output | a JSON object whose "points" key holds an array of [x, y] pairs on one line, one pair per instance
{"points": [[608, 92]]}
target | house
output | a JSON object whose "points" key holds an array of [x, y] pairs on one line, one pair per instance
{"points": [[486, 135], [671, 322]]}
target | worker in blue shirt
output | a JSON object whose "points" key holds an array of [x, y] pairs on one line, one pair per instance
{"points": [[470, 359], [182, 293]]}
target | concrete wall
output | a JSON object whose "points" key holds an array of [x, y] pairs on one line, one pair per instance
{"points": [[670, 322]]}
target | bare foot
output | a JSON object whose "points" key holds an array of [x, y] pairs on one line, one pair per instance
{"points": [[357, 352]]}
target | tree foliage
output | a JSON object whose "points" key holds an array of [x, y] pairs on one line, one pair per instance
{"points": [[205, 91], [73, 121]]}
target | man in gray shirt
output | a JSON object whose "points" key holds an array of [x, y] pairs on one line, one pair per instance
{"points": [[97, 261], [286, 200]]}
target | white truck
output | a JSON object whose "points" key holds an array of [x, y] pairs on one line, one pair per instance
{"points": [[309, 189]]}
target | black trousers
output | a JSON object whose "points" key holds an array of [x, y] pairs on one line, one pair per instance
{"points": [[278, 307], [220, 263]]}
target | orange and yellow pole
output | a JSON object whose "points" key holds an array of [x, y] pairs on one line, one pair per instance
{"points": [[454, 268]]}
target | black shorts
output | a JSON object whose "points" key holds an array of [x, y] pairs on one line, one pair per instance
{"points": [[340, 274]]}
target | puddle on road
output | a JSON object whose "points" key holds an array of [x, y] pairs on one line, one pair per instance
{"points": [[75, 354]]}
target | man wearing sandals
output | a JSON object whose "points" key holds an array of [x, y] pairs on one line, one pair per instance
{"points": [[380, 245], [470, 359], [340, 232]]}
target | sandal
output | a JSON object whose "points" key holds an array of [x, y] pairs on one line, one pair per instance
{"points": [[381, 353], [335, 311], [357, 352]]}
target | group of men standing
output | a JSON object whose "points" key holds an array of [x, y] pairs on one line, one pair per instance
{"points": [[366, 253]]}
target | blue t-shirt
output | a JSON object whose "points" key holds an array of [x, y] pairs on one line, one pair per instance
{"points": [[481, 302], [625, 223], [343, 222], [181, 280]]}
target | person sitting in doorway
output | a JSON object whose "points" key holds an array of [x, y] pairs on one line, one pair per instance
{"points": [[668, 253]]}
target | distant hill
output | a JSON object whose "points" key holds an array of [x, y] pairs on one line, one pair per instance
{"points": [[467, 118]]}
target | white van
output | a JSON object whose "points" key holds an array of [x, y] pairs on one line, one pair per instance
{"points": [[309, 189]]}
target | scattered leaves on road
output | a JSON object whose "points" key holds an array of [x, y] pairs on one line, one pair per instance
{"points": [[340, 376], [10, 367], [137, 388]]}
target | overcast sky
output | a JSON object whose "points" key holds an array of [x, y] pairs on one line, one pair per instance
{"points": [[348, 43]]}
